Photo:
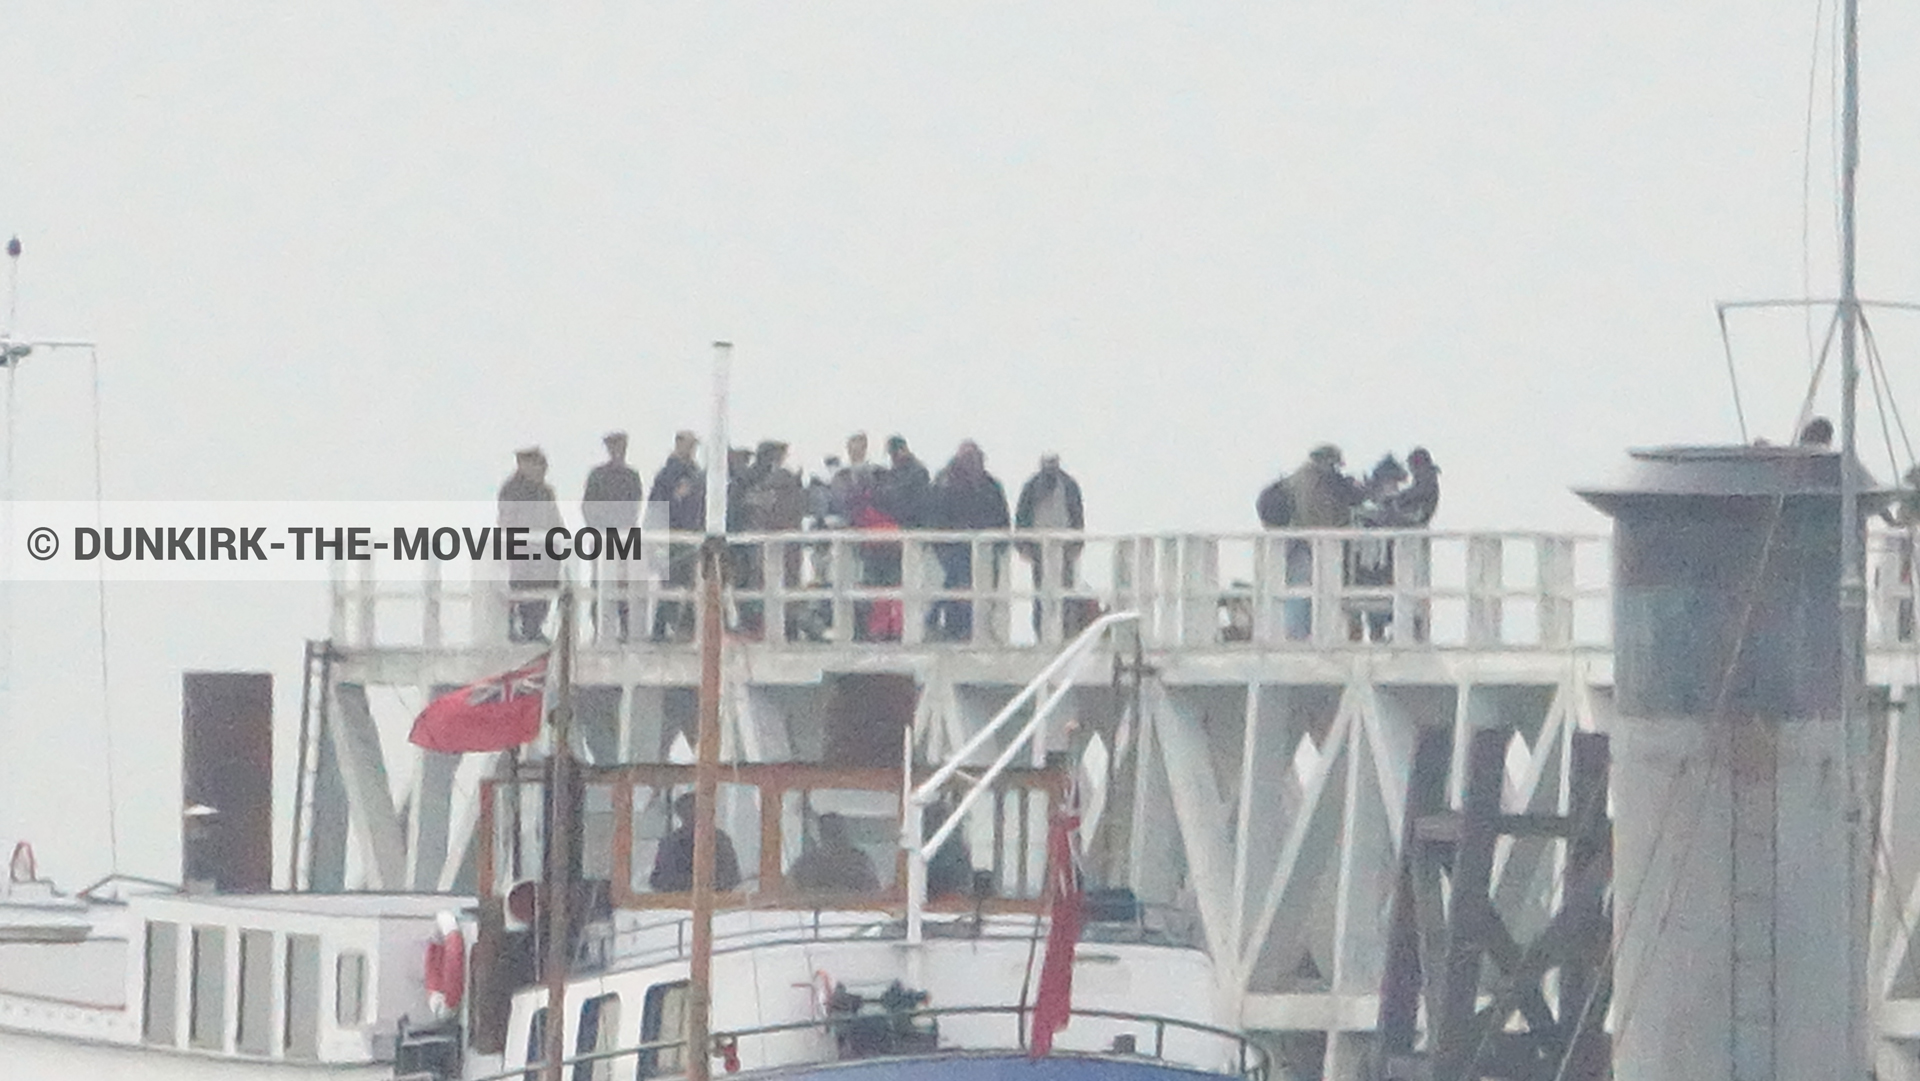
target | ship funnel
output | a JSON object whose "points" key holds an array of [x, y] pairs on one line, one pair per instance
{"points": [[1735, 943]]}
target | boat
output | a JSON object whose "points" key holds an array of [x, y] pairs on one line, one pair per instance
{"points": [[849, 930]]}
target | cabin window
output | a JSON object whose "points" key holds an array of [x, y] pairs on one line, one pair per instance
{"points": [[206, 1024], [840, 841], [536, 1042], [350, 988], [303, 997], [163, 968], [663, 843], [599, 1032], [596, 833], [663, 1017], [256, 993]]}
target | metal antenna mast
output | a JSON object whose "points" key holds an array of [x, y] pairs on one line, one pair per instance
{"points": [[1853, 592]]}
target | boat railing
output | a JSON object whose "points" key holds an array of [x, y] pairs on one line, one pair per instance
{"points": [[1232, 1051], [1275, 590], [604, 946], [1023, 589]]}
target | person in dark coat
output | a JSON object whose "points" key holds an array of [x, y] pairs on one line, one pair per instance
{"points": [[682, 485], [1415, 504], [527, 502], [1319, 495], [1413, 507], [1369, 562], [776, 502], [833, 862], [965, 497], [950, 870], [851, 486], [673, 860], [897, 500], [1050, 501], [745, 568], [902, 490], [612, 501]]}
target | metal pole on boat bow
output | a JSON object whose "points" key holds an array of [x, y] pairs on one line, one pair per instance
{"points": [[706, 769], [560, 877]]}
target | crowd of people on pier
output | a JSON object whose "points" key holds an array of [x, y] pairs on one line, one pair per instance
{"points": [[766, 495]]}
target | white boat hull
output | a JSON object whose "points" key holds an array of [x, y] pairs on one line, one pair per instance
{"points": [[32, 1057]]}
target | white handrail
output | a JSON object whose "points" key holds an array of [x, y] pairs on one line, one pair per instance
{"points": [[1075, 651], [919, 851]]}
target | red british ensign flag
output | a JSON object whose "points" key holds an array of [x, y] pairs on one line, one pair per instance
{"points": [[1053, 1004], [492, 715]]}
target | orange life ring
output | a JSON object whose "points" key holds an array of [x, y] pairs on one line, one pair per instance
{"points": [[446, 967]]}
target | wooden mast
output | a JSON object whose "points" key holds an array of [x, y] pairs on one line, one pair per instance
{"points": [[558, 894], [706, 785], [706, 776]]}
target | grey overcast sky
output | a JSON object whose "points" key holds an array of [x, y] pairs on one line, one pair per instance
{"points": [[364, 250]]}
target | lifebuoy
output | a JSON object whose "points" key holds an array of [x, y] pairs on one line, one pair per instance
{"points": [[821, 987], [446, 967]]}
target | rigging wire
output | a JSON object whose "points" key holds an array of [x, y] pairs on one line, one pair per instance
{"points": [[1906, 537], [1880, 401], [100, 611], [1875, 359], [1813, 380], [1806, 188], [1733, 376]]}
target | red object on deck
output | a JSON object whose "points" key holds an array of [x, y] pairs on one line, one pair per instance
{"points": [[1053, 1003], [446, 973], [492, 715], [885, 619]]}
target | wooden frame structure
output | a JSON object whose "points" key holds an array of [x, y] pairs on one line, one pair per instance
{"points": [[1014, 796], [1446, 928]]}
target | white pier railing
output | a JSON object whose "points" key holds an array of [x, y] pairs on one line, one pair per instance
{"points": [[1273, 590], [1317, 590]]}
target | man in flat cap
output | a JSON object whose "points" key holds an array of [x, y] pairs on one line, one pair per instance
{"points": [[1050, 502], [527, 502], [682, 485], [612, 501]]}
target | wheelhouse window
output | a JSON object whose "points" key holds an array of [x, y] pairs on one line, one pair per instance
{"points": [[662, 842], [163, 967], [599, 1034], [303, 997], [206, 1024], [255, 1036], [663, 1017], [839, 841], [350, 989], [536, 1043]]}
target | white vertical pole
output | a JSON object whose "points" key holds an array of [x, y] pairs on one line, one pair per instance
{"points": [[7, 752], [717, 441]]}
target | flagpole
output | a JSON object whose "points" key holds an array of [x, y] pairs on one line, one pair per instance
{"points": [[559, 869], [706, 769]]}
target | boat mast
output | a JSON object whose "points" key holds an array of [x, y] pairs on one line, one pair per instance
{"points": [[1853, 600], [559, 841], [560, 870], [706, 775]]}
